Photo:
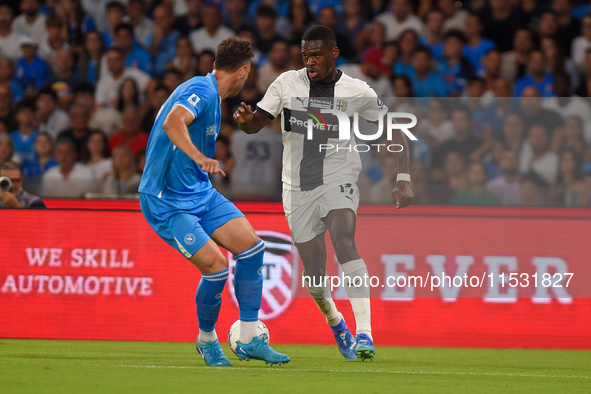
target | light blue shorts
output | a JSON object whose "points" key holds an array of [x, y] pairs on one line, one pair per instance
{"points": [[188, 225]]}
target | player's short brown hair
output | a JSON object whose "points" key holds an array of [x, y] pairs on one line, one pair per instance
{"points": [[233, 53]]}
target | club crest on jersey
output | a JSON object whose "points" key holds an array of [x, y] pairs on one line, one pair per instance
{"points": [[342, 105], [278, 262], [211, 130]]}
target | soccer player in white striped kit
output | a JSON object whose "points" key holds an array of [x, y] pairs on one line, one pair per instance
{"points": [[320, 185]]}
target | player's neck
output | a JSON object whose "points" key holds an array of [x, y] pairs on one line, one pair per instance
{"points": [[224, 82]]}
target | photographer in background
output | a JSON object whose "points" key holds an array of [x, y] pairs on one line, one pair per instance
{"points": [[12, 194]]}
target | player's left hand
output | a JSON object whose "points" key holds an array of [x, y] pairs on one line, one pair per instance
{"points": [[403, 194]]}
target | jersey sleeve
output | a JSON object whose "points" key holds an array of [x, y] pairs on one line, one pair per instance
{"points": [[193, 99], [272, 103], [373, 108]]}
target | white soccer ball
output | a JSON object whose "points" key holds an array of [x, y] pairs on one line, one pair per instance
{"points": [[234, 333]]}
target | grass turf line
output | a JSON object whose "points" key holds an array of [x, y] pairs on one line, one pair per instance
{"points": [[53, 366]]}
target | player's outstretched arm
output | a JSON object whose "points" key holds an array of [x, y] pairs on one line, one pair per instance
{"points": [[402, 193], [248, 121], [175, 126]]}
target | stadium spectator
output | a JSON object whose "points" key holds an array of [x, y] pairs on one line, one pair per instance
{"points": [[259, 57], [425, 81], [97, 10], [536, 77], [235, 14], [299, 19], [475, 192], [266, 28], [547, 25], [327, 16], [453, 178], [454, 19], [162, 42], [17, 197], [557, 63], [69, 179], [97, 156], [109, 82], [400, 18], [123, 180], [114, 17], [78, 23], [277, 63], [24, 137], [66, 78], [205, 62], [192, 21], [249, 94], [135, 55], [7, 115], [455, 69], [50, 118], [7, 149], [533, 113], [136, 17], [32, 72], [568, 189], [53, 41], [463, 142], [105, 119], [30, 22], [528, 12], [506, 187], [79, 132], [476, 45], [223, 155], [33, 170], [514, 62], [257, 172], [513, 132], [373, 71], [128, 95], [500, 23], [409, 41], [542, 161], [568, 26], [433, 38], [10, 40], [381, 191], [153, 105], [131, 135], [534, 191], [582, 43], [90, 57], [7, 77], [348, 26], [567, 106], [491, 64], [212, 33], [569, 136], [140, 162], [172, 79], [185, 60]]}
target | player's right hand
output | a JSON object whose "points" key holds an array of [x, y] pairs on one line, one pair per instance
{"points": [[211, 166], [243, 114]]}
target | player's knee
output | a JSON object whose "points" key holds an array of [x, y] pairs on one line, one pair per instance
{"points": [[214, 264], [344, 246]]}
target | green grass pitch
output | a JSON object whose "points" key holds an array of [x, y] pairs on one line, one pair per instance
{"points": [[52, 366]]}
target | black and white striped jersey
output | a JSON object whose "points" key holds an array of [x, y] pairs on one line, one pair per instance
{"points": [[309, 163]]}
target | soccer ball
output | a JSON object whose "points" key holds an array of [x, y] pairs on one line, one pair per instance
{"points": [[234, 333]]}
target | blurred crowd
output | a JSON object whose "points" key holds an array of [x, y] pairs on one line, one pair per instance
{"points": [[499, 88]]}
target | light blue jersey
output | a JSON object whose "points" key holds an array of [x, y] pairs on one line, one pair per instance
{"points": [[169, 173]]}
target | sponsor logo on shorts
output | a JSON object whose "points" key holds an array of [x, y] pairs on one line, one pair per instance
{"points": [[190, 239]]}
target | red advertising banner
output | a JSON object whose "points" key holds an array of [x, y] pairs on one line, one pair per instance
{"points": [[442, 276]]}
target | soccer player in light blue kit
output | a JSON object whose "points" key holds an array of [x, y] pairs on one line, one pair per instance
{"points": [[179, 202]]}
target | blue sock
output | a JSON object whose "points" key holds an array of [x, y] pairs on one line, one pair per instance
{"points": [[248, 281], [209, 298]]}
